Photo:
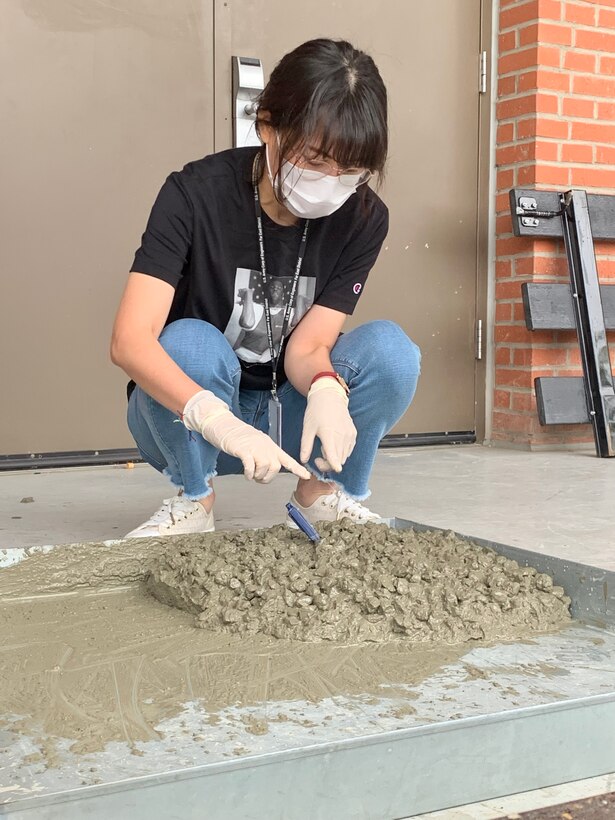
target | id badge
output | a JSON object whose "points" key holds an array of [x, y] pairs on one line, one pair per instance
{"points": [[275, 421]]}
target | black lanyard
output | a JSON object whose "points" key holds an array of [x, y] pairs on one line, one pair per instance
{"points": [[293, 291]]}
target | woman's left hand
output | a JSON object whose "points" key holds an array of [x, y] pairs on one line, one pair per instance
{"points": [[327, 417]]}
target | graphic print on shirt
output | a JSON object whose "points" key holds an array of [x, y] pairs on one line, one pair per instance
{"points": [[246, 330]]}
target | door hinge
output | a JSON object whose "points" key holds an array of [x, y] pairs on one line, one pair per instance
{"points": [[482, 88], [479, 339]]}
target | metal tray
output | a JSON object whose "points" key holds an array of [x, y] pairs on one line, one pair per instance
{"points": [[502, 719]]}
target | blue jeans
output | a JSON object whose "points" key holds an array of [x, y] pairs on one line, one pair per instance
{"points": [[377, 360]]}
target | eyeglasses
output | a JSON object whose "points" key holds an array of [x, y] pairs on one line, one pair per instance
{"points": [[319, 168]]}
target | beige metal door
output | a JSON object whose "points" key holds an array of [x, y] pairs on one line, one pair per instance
{"points": [[425, 279], [98, 103]]}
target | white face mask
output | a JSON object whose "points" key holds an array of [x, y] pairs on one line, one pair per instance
{"points": [[309, 194]]}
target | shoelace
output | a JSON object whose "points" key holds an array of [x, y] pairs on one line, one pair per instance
{"points": [[344, 503], [172, 508]]}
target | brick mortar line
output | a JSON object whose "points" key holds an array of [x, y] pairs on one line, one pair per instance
{"points": [[521, 280], [557, 117], [562, 73], [555, 163], [555, 140], [536, 366], [528, 140], [525, 162], [558, 140], [554, 92], [520, 323], [544, 88], [540, 254], [521, 255], [552, 117], [501, 344], [548, 255], [543, 346], [565, 346], [557, 69], [596, 28], [558, 163], [517, 300], [530, 255], [582, 3], [564, 120], [573, 27], [583, 52], [514, 389], [566, 140], [538, 346]]}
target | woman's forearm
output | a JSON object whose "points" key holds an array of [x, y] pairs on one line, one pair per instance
{"points": [[146, 362], [302, 365]]}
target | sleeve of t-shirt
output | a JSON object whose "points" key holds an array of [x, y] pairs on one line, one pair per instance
{"points": [[343, 289], [165, 245]]}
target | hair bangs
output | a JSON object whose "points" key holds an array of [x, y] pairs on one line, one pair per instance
{"points": [[351, 131]]}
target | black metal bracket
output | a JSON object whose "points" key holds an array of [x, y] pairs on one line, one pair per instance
{"points": [[559, 400], [533, 214], [591, 330]]}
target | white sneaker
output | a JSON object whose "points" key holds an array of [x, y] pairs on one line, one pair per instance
{"points": [[177, 515], [333, 507]]}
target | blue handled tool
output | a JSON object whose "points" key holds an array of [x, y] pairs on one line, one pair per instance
{"points": [[302, 522]]}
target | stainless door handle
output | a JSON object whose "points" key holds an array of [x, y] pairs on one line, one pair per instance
{"points": [[248, 82]]}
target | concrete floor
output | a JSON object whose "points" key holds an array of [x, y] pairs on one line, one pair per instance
{"points": [[562, 503], [559, 503]]}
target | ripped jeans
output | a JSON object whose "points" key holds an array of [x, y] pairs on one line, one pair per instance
{"points": [[380, 364]]}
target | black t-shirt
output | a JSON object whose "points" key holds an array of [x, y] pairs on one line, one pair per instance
{"points": [[202, 239]]}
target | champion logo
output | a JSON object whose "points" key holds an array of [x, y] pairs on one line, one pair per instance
{"points": [[357, 288]]}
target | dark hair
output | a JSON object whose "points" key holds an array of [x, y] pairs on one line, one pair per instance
{"points": [[330, 94]]}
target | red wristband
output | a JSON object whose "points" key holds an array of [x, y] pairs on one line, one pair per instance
{"points": [[332, 375]]}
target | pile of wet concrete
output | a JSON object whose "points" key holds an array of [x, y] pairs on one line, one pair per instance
{"points": [[358, 583]]}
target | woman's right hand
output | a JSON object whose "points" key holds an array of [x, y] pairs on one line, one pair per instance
{"points": [[262, 459]]}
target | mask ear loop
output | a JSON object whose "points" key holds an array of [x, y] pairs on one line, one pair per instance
{"points": [[277, 190], [292, 166], [269, 174]]}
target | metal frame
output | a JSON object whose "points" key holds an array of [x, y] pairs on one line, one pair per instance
{"points": [[591, 331], [538, 220], [534, 215], [394, 773]]}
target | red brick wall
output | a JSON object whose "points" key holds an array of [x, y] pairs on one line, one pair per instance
{"points": [[555, 129]]}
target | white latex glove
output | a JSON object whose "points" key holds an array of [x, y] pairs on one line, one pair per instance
{"points": [[327, 417], [262, 459]]}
